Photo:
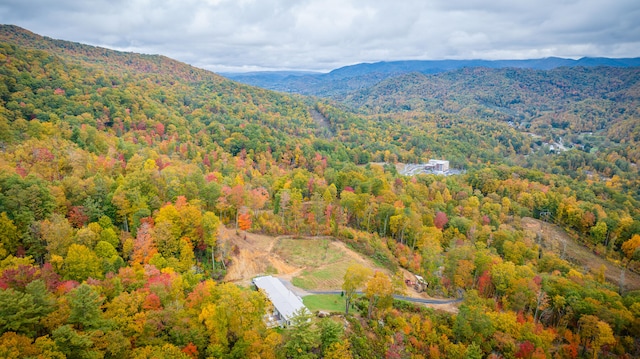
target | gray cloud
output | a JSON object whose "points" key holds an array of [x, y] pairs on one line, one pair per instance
{"points": [[225, 35]]}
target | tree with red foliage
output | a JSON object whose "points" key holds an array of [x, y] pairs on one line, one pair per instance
{"points": [[485, 287], [440, 220], [191, 350], [77, 216], [50, 277], [525, 349], [396, 350], [19, 277], [152, 302], [160, 129]]}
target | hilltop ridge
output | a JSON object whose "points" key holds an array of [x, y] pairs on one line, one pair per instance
{"points": [[105, 59]]}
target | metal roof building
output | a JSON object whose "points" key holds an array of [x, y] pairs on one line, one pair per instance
{"points": [[285, 303]]}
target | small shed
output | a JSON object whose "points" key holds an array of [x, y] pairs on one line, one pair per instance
{"points": [[285, 303]]}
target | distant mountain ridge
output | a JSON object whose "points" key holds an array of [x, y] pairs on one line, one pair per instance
{"points": [[583, 98], [351, 78]]}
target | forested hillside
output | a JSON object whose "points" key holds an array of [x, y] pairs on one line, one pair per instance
{"points": [[574, 99], [117, 169]]}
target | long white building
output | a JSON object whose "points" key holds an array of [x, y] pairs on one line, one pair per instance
{"points": [[285, 303]]}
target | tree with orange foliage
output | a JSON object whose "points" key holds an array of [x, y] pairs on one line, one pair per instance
{"points": [[143, 246], [258, 198], [244, 222], [191, 350]]}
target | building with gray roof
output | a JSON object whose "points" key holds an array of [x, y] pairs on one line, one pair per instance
{"points": [[285, 303]]}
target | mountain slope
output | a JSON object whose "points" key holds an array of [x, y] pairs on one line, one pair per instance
{"points": [[140, 92], [110, 61]]}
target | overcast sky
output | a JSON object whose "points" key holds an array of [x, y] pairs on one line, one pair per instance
{"points": [[247, 35]]}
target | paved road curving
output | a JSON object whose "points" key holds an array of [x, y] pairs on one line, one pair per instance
{"points": [[427, 301], [395, 296], [301, 293], [297, 291]]}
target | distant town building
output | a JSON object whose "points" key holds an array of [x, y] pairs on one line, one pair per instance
{"points": [[285, 303], [438, 165]]}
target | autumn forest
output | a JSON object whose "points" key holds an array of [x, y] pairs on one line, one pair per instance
{"points": [[118, 172]]}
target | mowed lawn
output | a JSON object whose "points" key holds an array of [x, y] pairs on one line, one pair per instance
{"points": [[327, 302]]}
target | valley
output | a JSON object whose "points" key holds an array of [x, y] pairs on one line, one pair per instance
{"points": [[139, 196]]}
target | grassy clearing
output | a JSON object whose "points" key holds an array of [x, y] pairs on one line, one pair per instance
{"points": [[327, 277], [328, 302], [324, 262], [302, 283], [308, 252]]}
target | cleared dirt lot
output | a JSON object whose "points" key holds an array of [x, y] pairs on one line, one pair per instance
{"points": [[315, 263], [310, 263]]}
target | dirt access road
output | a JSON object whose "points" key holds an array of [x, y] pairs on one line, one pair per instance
{"points": [[555, 239]]}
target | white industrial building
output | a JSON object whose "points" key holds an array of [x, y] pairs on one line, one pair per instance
{"points": [[438, 165], [285, 303]]}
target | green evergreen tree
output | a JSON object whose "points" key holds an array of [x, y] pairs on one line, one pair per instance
{"points": [[85, 304]]}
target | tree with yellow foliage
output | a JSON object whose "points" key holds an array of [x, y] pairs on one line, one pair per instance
{"points": [[379, 291], [630, 248], [354, 278]]}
